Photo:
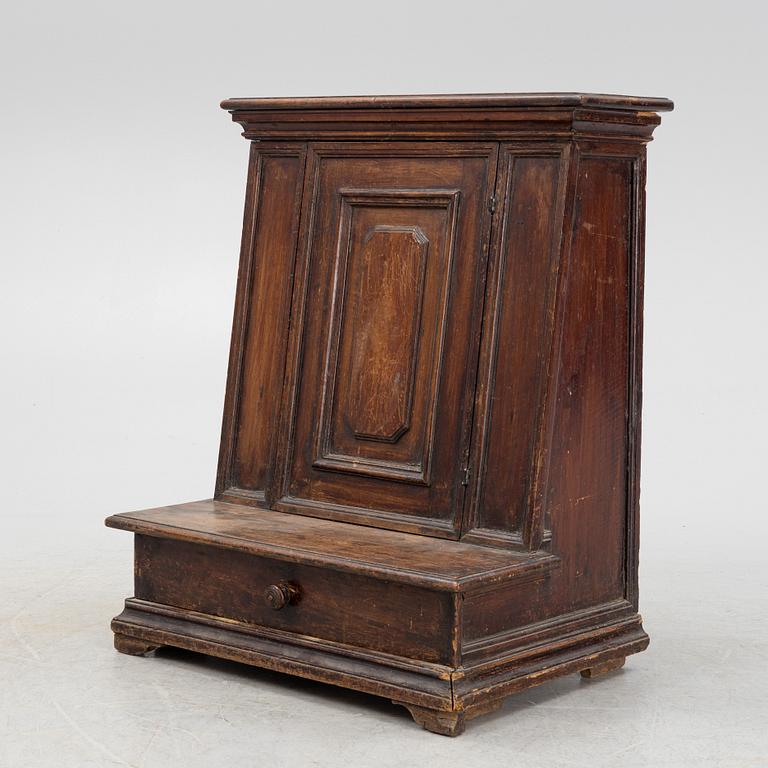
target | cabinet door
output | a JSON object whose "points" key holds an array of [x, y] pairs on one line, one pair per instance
{"points": [[385, 326]]}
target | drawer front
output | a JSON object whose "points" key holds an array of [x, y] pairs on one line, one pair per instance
{"points": [[331, 605]]}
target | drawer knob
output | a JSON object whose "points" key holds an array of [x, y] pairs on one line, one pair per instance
{"points": [[281, 594]]}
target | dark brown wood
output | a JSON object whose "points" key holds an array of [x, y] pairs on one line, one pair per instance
{"points": [[451, 723], [388, 555], [603, 669], [133, 646], [343, 607], [487, 116], [519, 323], [367, 201], [255, 380], [429, 469], [480, 101]]}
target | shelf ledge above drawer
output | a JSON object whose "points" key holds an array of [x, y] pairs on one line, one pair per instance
{"points": [[398, 557]]}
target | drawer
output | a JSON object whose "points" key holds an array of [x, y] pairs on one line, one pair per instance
{"points": [[362, 611]]}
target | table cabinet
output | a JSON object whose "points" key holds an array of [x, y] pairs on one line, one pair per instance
{"points": [[429, 467]]}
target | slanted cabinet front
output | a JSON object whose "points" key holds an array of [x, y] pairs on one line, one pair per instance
{"points": [[367, 294]]}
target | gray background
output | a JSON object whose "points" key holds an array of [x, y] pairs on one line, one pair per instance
{"points": [[121, 186]]}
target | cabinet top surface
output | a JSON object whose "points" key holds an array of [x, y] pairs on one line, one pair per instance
{"points": [[456, 101]]}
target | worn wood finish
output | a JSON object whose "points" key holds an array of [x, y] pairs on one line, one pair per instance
{"points": [[429, 469], [489, 116], [519, 328], [603, 669], [406, 474], [450, 723], [254, 385], [440, 690], [482, 102], [341, 607], [133, 646], [388, 555]]}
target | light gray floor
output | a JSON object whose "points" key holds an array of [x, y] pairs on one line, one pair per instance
{"points": [[697, 697]]}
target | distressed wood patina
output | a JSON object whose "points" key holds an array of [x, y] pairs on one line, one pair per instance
{"points": [[429, 469]]}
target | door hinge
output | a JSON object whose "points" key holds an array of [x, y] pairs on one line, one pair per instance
{"points": [[465, 476], [492, 204]]}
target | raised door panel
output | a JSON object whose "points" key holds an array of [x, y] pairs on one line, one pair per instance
{"points": [[379, 394], [390, 277], [517, 343], [382, 367]]}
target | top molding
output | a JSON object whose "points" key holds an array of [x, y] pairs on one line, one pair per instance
{"points": [[456, 101], [503, 116]]}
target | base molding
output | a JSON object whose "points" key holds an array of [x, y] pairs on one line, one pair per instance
{"points": [[324, 664], [439, 699]]}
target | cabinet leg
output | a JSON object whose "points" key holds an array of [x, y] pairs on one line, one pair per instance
{"points": [[603, 668], [448, 723], [133, 646]]}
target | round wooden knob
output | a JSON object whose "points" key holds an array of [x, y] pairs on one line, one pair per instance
{"points": [[281, 594]]}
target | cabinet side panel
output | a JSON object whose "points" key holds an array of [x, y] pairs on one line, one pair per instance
{"points": [[587, 489], [589, 493], [261, 317]]}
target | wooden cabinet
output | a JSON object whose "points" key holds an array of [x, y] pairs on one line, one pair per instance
{"points": [[428, 476]]}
